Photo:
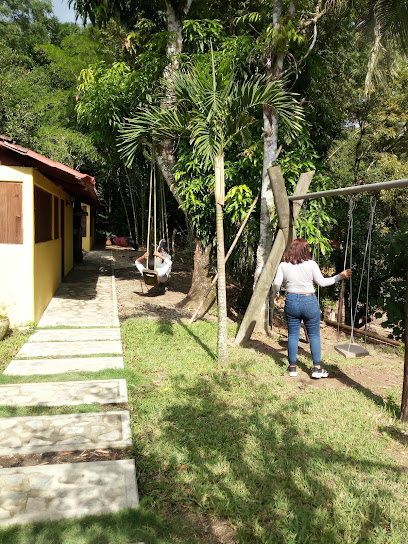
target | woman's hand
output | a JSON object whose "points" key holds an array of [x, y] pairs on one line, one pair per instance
{"points": [[144, 256], [276, 298], [345, 274]]}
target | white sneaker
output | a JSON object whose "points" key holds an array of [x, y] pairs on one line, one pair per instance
{"points": [[292, 371], [320, 373]]}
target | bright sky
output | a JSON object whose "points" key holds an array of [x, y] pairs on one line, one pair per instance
{"points": [[63, 12]]}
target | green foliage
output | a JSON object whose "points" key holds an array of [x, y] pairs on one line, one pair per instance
{"points": [[396, 254], [211, 107], [198, 34], [316, 220]]}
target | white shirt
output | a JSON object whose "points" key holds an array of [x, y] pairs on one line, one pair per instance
{"points": [[300, 278], [163, 268]]}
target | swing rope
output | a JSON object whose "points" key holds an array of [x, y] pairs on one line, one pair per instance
{"points": [[349, 241], [367, 253], [150, 205], [316, 245]]}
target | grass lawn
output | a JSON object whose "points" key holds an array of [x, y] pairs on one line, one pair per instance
{"points": [[243, 454]]}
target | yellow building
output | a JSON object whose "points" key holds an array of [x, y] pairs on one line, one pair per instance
{"points": [[37, 199], [88, 227]]}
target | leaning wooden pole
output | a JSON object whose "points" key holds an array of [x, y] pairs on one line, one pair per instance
{"points": [[404, 400], [231, 249], [287, 216]]}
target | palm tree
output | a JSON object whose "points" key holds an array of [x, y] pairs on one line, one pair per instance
{"points": [[211, 108], [390, 24]]}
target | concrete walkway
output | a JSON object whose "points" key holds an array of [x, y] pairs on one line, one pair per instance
{"points": [[85, 310]]}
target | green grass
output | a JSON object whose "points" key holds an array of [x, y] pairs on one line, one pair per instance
{"points": [[244, 450]]}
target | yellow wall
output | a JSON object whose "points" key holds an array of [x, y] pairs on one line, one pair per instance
{"points": [[30, 273], [47, 255], [17, 260], [88, 240], [69, 239]]}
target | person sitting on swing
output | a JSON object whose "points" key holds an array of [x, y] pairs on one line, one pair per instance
{"points": [[300, 272], [164, 262]]}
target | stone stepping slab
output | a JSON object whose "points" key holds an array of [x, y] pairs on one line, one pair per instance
{"points": [[51, 492], [71, 335], [29, 367], [64, 393], [55, 349], [69, 432]]}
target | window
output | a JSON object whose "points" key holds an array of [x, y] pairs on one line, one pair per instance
{"points": [[42, 215], [11, 212], [56, 218]]}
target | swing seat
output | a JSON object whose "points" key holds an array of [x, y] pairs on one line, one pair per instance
{"points": [[151, 277], [351, 351]]}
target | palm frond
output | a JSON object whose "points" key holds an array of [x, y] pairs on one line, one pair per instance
{"points": [[155, 124], [392, 18]]}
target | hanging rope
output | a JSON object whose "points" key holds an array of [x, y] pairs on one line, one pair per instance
{"points": [[367, 251], [150, 205], [349, 241], [316, 245]]}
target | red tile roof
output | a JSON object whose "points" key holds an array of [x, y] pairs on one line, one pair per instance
{"points": [[73, 182]]}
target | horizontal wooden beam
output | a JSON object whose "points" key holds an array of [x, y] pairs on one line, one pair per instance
{"points": [[369, 188], [369, 334]]}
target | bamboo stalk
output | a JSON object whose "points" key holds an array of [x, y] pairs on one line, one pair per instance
{"points": [[404, 399]]}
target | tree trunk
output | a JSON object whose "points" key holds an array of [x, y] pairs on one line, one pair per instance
{"points": [[274, 66], [222, 290], [222, 283], [165, 156], [404, 400], [201, 280]]}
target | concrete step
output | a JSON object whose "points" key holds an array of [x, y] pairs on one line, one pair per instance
{"points": [[74, 335], [63, 349], [29, 367], [51, 492], [64, 393], [69, 432]]}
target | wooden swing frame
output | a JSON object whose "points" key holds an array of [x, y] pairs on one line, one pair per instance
{"points": [[287, 216]]}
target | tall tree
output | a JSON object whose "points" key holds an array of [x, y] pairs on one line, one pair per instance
{"points": [[211, 107], [281, 25], [390, 25]]}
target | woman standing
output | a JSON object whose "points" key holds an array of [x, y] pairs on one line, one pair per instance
{"points": [[300, 272]]}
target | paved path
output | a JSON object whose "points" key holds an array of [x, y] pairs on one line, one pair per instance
{"points": [[64, 432], [64, 491], [56, 349], [26, 367], [85, 310], [64, 393], [87, 297], [77, 335]]}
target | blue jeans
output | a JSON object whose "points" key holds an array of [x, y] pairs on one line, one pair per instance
{"points": [[297, 308]]}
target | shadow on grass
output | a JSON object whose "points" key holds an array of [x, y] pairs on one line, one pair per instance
{"points": [[275, 485], [128, 526]]}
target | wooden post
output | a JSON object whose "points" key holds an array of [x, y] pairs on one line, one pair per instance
{"points": [[404, 400], [287, 218]]}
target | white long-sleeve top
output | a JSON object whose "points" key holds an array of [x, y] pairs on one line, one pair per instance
{"points": [[300, 278], [163, 268]]}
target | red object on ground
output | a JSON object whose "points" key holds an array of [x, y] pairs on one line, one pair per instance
{"points": [[120, 241]]}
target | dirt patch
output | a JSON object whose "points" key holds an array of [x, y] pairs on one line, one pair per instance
{"points": [[136, 299]]}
